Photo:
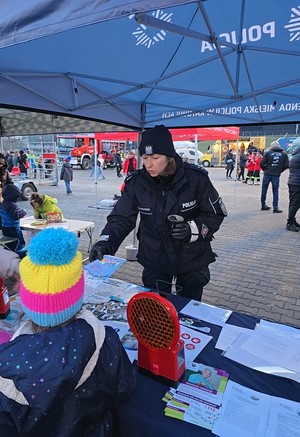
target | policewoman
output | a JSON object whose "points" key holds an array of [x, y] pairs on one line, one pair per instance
{"points": [[180, 210]]}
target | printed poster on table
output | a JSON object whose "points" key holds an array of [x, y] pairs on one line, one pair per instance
{"points": [[194, 343]]}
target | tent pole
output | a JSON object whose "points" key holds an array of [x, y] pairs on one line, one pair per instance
{"points": [[236, 170], [95, 173]]}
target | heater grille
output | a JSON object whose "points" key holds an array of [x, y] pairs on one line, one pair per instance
{"points": [[153, 320]]}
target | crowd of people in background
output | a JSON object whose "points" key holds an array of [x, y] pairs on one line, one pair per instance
{"points": [[272, 162], [24, 163]]}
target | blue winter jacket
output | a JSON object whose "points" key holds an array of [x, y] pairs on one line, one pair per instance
{"points": [[11, 213], [64, 382]]}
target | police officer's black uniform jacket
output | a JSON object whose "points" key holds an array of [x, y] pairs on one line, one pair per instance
{"points": [[188, 193]]}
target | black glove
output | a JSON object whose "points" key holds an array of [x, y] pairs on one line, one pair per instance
{"points": [[181, 231], [97, 252]]}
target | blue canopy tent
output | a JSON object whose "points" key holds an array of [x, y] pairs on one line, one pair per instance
{"points": [[186, 63]]}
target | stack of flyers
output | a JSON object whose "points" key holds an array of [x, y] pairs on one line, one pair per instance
{"points": [[198, 397]]}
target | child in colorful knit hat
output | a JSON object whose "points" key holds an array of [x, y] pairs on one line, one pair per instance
{"points": [[63, 371]]}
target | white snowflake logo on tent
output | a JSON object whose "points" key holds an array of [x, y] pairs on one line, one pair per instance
{"points": [[144, 37], [294, 24]]}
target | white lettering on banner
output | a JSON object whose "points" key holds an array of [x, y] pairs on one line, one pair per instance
{"points": [[232, 110], [290, 107], [261, 108], [229, 110], [252, 34]]}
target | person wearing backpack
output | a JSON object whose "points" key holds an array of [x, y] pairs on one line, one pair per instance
{"points": [[66, 174]]}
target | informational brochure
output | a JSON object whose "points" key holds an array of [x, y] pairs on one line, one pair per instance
{"points": [[100, 290], [228, 334], [125, 293], [108, 310], [194, 343], [198, 398], [236, 353], [284, 419], [249, 413], [104, 268], [127, 338], [204, 312], [275, 346]]}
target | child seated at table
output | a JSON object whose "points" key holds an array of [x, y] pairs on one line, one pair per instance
{"points": [[67, 372], [42, 204], [11, 214]]}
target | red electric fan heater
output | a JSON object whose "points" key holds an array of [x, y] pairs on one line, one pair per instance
{"points": [[154, 322]]}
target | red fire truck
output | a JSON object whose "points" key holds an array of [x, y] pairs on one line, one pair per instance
{"points": [[81, 146]]}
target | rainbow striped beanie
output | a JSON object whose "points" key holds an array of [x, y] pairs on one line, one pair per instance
{"points": [[52, 281]]}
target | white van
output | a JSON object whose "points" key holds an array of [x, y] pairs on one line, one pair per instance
{"points": [[186, 149]]}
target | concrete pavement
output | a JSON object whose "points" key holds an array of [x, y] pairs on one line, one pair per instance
{"points": [[257, 270]]}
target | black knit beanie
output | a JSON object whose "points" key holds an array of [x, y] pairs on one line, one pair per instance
{"points": [[157, 140]]}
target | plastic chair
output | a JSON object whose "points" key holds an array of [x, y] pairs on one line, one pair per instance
{"points": [[15, 171]]}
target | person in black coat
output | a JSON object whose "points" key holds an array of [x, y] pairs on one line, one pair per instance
{"points": [[118, 162], [5, 177], [180, 210], [275, 160], [229, 161], [294, 191], [22, 160]]}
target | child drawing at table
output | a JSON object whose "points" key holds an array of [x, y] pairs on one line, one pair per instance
{"points": [[11, 214], [42, 204], [63, 371]]}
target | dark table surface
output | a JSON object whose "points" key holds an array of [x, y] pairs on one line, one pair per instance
{"points": [[143, 415]]}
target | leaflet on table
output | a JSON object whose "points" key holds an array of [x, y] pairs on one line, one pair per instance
{"points": [[249, 413], [110, 310], [15, 316], [127, 292], [262, 323], [127, 338], [228, 334], [284, 419], [275, 346], [202, 414], [194, 343], [103, 290], [190, 322], [105, 267], [236, 353], [197, 402], [100, 290], [205, 312]]}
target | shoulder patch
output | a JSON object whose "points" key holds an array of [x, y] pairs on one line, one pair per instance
{"points": [[195, 167], [132, 175]]}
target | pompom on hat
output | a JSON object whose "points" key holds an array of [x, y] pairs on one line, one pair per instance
{"points": [[52, 281], [157, 140]]}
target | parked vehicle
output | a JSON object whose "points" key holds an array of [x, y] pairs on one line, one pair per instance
{"points": [[27, 187], [187, 151], [293, 147], [287, 142]]}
